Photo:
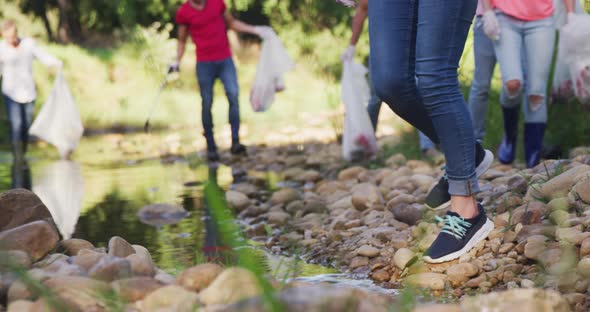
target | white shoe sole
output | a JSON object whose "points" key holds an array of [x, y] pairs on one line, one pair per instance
{"points": [[485, 164], [482, 234]]}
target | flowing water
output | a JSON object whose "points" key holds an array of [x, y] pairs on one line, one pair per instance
{"points": [[99, 196]]}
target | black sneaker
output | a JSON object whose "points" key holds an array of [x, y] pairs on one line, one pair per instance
{"points": [[238, 149], [212, 156], [439, 197], [458, 236]]}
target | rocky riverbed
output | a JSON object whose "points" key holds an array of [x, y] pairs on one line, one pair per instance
{"points": [[374, 222], [367, 219]]}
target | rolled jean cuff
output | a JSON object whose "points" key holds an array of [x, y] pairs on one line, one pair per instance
{"points": [[467, 187]]}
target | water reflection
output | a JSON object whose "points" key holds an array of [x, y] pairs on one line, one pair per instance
{"points": [[213, 249], [21, 175], [61, 188]]}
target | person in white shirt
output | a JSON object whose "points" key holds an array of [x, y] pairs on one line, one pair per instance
{"points": [[18, 87]]}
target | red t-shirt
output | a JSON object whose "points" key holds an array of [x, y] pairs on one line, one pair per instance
{"points": [[207, 29]]}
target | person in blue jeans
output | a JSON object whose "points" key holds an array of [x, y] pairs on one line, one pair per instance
{"points": [[18, 85], [525, 29], [207, 22], [424, 39], [485, 62], [427, 147]]}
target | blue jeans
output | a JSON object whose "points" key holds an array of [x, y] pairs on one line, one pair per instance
{"points": [[20, 118], [425, 39], [485, 62], [375, 106], [207, 74], [536, 40]]}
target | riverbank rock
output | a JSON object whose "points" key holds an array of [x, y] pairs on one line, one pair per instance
{"points": [[278, 218], [438, 308], [119, 247], [351, 173], [170, 298], [582, 190], [316, 298], [366, 196], [19, 207], [522, 300], [284, 196], [584, 267], [110, 269], [367, 251], [560, 185], [140, 266], [237, 200], [11, 258], [136, 288], [461, 272], [434, 281], [410, 214], [79, 293], [231, 286], [402, 257], [36, 239], [87, 258], [199, 277], [72, 246], [21, 306]]}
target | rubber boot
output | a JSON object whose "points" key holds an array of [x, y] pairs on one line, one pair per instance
{"points": [[533, 143], [212, 155], [507, 149]]}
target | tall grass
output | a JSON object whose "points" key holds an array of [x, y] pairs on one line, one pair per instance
{"points": [[231, 236]]}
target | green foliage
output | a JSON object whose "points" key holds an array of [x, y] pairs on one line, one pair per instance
{"points": [[229, 231]]}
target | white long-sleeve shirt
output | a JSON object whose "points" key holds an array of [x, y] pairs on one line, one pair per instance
{"points": [[16, 64]]}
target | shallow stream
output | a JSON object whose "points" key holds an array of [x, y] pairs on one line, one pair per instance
{"points": [[99, 196]]}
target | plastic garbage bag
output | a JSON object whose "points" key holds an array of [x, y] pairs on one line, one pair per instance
{"points": [[61, 188], [358, 140], [274, 61], [568, 69], [59, 121]]}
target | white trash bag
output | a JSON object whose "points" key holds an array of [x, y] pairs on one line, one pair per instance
{"points": [[59, 121], [562, 87], [274, 61], [574, 47], [358, 140]]}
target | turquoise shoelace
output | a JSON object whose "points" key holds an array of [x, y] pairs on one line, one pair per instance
{"points": [[455, 226]]}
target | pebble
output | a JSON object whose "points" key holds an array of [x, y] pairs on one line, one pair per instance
{"points": [[367, 251], [433, 281], [402, 257]]}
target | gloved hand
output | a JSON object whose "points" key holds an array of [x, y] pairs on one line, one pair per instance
{"points": [[263, 31], [348, 3], [174, 67], [348, 54], [491, 26], [58, 65]]}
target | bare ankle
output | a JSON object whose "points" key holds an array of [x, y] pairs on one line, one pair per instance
{"points": [[465, 206]]}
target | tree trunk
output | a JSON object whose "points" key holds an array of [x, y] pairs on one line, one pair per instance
{"points": [[47, 26], [69, 29]]}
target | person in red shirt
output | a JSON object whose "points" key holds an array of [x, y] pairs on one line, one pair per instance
{"points": [[207, 22]]}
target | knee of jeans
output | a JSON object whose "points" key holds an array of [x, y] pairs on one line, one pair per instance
{"points": [[513, 88], [391, 88], [207, 102], [16, 124], [536, 99], [480, 88]]}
